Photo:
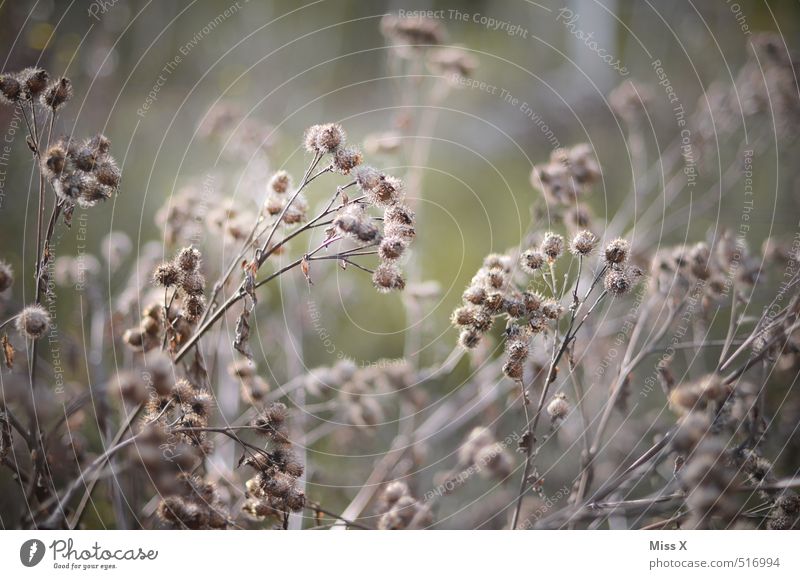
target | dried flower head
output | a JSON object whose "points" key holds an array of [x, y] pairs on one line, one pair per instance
{"points": [[617, 251], [532, 260], [558, 407], [166, 274], [57, 94], [280, 182], [583, 243], [391, 248], [33, 81], [188, 259], [346, 159], [552, 245], [10, 89], [387, 277], [329, 137], [33, 322]]}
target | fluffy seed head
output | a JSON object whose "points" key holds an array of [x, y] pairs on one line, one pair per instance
{"points": [[33, 322], [618, 281], [10, 89], [387, 192], [399, 215], [107, 173], [617, 252], [280, 182], [367, 178], [329, 138], [166, 274], [583, 243], [552, 245], [193, 283], [57, 94], [194, 306], [558, 408], [531, 260], [387, 277], [346, 159], [188, 259], [34, 81], [474, 294], [391, 248], [469, 338]]}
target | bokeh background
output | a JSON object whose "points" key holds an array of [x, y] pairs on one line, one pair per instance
{"points": [[287, 65]]}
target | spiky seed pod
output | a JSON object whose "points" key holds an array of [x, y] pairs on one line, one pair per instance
{"points": [[532, 301], [387, 277], [558, 407], [296, 212], [310, 138], [183, 391], [346, 159], [532, 260], [399, 215], [474, 295], [464, 316], [387, 192], [194, 307], [391, 248], [193, 283], [513, 369], [188, 259], [57, 94], [496, 278], [10, 89], [33, 322], [85, 158], [497, 261], [70, 187], [93, 192], [618, 281], [515, 308], [552, 245], [280, 182], [55, 160], [367, 178], [107, 173], [517, 350], [330, 137], [34, 82], [6, 276], [100, 143], [406, 232], [367, 231], [166, 274], [494, 302], [483, 320], [469, 338], [552, 310], [617, 252], [583, 243], [200, 403]]}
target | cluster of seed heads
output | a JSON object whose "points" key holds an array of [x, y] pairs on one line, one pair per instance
{"points": [[401, 510], [197, 505], [490, 458], [32, 85], [82, 172], [353, 220], [184, 410], [568, 176], [274, 491]]}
